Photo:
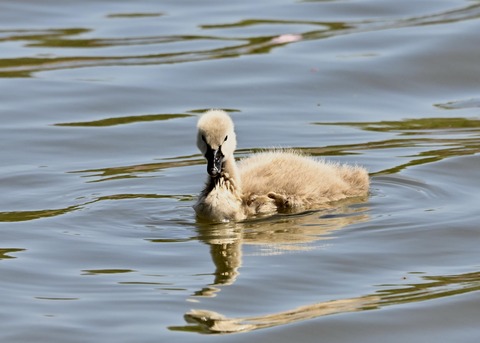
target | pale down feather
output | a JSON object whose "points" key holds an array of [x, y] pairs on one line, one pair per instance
{"points": [[266, 182]]}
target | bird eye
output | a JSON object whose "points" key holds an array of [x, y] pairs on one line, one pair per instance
{"points": [[225, 138]]}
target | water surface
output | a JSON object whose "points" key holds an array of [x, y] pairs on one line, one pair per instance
{"points": [[99, 170]]}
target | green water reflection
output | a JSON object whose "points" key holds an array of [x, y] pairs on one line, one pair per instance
{"points": [[67, 38], [430, 287], [19, 216], [435, 138], [106, 271], [125, 172], [5, 252], [125, 120], [415, 126]]}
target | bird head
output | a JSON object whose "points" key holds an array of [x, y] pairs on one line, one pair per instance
{"points": [[216, 140]]}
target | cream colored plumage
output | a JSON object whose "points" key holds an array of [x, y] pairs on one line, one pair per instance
{"points": [[267, 182]]}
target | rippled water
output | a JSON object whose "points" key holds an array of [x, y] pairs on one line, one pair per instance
{"points": [[99, 170]]}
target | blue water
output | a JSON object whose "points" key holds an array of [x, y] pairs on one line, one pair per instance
{"points": [[99, 170]]}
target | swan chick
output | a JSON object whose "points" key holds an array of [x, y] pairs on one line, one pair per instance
{"points": [[267, 182]]}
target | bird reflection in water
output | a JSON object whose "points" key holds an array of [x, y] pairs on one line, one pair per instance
{"points": [[280, 234]]}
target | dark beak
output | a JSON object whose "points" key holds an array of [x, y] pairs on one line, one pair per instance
{"points": [[214, 162]]}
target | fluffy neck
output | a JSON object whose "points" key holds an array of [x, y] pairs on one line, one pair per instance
{"points": [[230, 171], [221, 200], [229, 179]]}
